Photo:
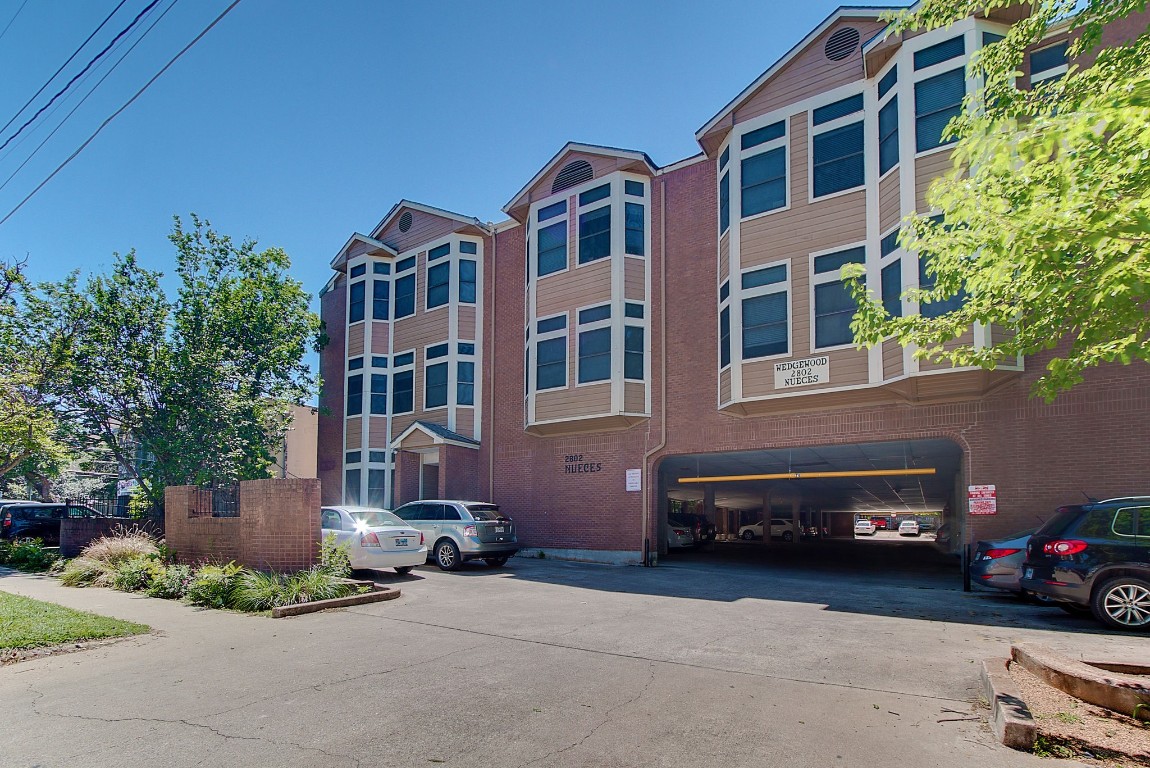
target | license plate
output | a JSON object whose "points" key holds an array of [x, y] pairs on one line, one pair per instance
{"points": [[401, 542], [500, 529], [1028, 573]]}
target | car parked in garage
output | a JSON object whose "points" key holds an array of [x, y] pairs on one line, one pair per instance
{"points": [[680, 534], [908, 528], [864, 527], [780, 529], [1095, 556], [880, 523], [457, 531], [376, 539]]}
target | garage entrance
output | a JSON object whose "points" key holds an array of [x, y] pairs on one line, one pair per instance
{"points": [[852, 498]]}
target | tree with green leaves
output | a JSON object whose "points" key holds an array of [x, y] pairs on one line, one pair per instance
{"points": [[1045, 222], [196, 388]]}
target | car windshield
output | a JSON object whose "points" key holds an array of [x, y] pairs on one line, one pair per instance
{"points": [[485, 512], [1057, 525], [377, 518]]}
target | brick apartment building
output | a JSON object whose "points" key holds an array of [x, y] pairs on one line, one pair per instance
{"points": [[635, 337]]}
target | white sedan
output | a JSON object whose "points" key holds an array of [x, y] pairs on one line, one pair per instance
{"points": [[908, 528], [375, 537], [864, 527]]}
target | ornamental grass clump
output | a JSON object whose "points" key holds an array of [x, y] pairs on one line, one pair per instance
{"points": [[122, 545], [259, 591], [84, 572]]}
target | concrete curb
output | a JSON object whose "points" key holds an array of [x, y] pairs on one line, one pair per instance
{"points": [[383, 593], [1116, 691], [1010, 719]]}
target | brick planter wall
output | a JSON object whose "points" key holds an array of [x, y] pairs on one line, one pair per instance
{"points": [[78, 532]]}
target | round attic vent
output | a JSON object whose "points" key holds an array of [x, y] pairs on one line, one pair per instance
{"points": [[575, 172], [405, 221], [841, 44]]}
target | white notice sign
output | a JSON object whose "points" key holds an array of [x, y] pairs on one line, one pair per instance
{"points": [[634, 479], [983, 499], [797, 373]]}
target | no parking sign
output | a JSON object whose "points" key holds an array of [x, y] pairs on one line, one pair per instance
{"points": [[983, 499]]}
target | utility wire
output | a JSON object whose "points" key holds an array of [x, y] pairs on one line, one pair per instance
{"points": [[81, 73], [61, 69], [123, 56], [116, 114], [9, 24]]}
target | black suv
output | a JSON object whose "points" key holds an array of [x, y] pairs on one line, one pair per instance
{"points": [[1095, 557], [38, 520]]}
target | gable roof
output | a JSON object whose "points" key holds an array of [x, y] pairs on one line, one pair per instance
{"points": [[341, 257], [395, 209], [591, 149], [843, 11], [439, 435]]}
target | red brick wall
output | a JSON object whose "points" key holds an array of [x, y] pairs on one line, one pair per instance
{"points": [[333, 310], [278, 527], [78, 532], [458, 478], [406, 477]]}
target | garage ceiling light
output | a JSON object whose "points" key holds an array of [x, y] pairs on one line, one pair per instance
{"points": [[810, 475]]}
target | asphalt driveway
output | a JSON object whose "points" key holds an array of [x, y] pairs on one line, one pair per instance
{"points": [[694, 663]]}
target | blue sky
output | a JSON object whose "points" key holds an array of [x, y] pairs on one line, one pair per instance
{"points": [[297, 123]]}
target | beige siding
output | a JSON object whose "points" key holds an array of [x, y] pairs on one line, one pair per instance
{"points": [[353, 430], [848, 367], [377, 438], [465, 421], [809, 73], [635, 278], [400, 423], [358, 248], [889, 211], [591, 400], [926, 170], [589, 284], [355, 340], [424, 228], [379, 339], [966, 338], [725, 386], [724, 256], [891, 359], [417, 439], [635, 397], [601, 165], [467, 323], [419, 330], [999, 334]]}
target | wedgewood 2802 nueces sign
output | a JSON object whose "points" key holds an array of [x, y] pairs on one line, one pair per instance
{"points": [[797, 373]]}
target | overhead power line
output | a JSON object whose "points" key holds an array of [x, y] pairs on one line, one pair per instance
{"points": [[116, 114], [9, 24], [81, 73], [61, 69], [111, 69]]}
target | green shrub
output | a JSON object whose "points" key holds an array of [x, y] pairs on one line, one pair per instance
{"points": [[122, 545], [315, 584], [212, 585], [172, 582], [29, 555], [259, 591], [5, 548], [84, 571], [136, 574], [335, 558]]}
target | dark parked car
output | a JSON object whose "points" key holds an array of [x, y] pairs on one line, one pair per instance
{"points": [[998, 563], [1095, 556], [36, 520], [702, 528]]}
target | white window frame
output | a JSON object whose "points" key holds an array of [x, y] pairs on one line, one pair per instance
{"points": [[725, 304], [613, 215], [534, 227], [726, 169], [536, 338], [458, 357], [1046, 74], [891, 94], [644, 201], [970, 30], [581, 328], [396, 276], [452, 270], [739, 155], [828, 277], [884, 262], [763, 290], [817, 130], [394, 371]]}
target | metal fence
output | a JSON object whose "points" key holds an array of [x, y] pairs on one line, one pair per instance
{"points": [[225, 500]]}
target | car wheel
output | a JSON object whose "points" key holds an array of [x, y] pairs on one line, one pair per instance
{"points": [[788, 536], [403, 570], [447, 555], [1123, 603], [747, 535], [496, 562]]}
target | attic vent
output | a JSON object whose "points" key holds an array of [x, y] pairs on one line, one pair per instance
{"points": [[841, 44], [575, 172], [405, 221]]}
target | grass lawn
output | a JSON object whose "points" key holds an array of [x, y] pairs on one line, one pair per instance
{"points": [[26, 623]]}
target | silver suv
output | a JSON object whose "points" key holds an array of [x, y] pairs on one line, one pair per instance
{"points": [[456, 531]]}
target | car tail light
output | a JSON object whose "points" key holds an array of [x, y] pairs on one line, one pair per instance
{"points": [[1064, 547], [469, 530], [369, 539], [994, 554], [680, 531], [421, 538], [8, 520]]}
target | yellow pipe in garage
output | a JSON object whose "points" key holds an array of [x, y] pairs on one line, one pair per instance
{"points": [[810, 475]]}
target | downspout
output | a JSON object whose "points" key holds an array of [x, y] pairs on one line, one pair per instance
{"points": [[489, 365], [662, 370]]}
